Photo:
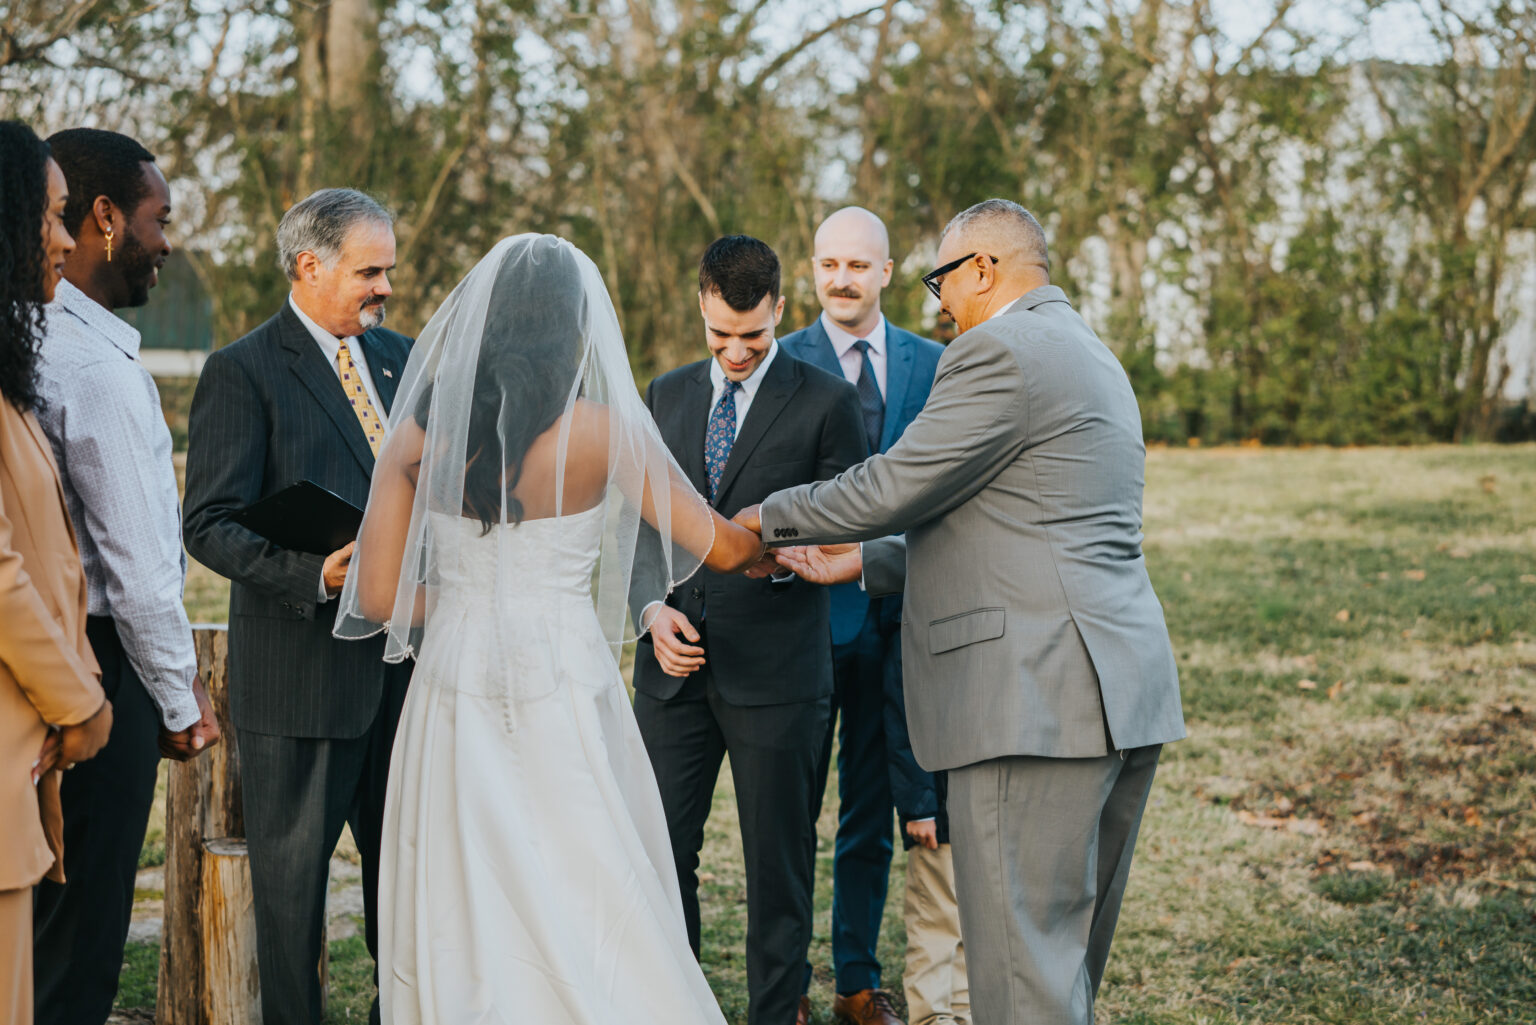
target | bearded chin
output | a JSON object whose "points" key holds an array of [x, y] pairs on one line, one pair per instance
{"points": [[371, 317]]}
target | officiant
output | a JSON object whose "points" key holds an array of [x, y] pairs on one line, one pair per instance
{"points": [[305, 396]]}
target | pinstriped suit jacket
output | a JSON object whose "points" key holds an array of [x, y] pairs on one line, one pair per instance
{"points": [[269, 411]]}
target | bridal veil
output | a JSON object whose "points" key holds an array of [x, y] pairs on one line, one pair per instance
{"points": [[518, 403]]}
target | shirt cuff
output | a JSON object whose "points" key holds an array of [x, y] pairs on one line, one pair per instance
{"points": [[324, 596], [180, 712]]}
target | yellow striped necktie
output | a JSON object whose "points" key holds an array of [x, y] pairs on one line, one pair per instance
{"points": [[352, 384]]}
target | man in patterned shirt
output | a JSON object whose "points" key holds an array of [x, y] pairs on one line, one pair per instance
{"points": [[102, 415]]}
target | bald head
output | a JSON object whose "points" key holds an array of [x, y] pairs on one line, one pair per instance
{"points": [[854, 225], [1003, 229], [852, 263]]}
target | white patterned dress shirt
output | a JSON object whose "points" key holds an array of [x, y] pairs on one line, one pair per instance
{"points": [[102, 414]]}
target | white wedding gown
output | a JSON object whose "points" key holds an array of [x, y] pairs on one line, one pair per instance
{"points": [[526, 877]]}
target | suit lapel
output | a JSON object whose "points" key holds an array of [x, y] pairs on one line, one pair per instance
{"points": [[45, 448], [694, 422], [781, 381], [310, 367], [383, 368], [898, 378], [818, 349]]}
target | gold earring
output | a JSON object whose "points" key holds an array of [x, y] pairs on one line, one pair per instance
{"points": [[109, 245]]}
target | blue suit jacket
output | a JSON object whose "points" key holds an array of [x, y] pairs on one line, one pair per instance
{"points": [[909, 368]]}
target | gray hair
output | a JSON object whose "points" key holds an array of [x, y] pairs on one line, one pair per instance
{"points": [[1005, 219], [319, 224]]}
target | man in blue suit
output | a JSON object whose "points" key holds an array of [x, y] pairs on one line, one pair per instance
{"points": [[893, 372]]}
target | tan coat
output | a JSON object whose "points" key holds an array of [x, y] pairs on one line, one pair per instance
{"points": [[47, 672]]}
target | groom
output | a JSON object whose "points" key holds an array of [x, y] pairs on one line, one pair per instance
{"points": [[1038, 666], [736, 666]]}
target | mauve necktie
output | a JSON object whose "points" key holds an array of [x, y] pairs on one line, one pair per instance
{"points": [[720, 435], [870, 399]]}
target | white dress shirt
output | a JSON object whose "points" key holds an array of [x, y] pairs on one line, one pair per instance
{"points": [[1006, 307], [102, 415], [330, 348], [850, 359], [748, 387]]}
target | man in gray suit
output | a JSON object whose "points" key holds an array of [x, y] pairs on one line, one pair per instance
{"points": [[1038, 666]]}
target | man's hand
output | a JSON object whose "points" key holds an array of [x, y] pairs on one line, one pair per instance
{"points": [[334, 572], [676, 643], [197, 738], [925, 833], [751, 517], [823, 564], [767, 566], [81, 742]]}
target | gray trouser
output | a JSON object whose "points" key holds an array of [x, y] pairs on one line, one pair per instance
{"points": [[1042, 851]]}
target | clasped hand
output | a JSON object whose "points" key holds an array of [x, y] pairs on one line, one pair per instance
{"points": [[819, 564]]}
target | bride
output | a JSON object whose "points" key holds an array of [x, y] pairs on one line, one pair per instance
{"points": [[523, 502]]}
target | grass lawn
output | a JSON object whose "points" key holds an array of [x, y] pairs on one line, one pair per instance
{"points": [[1348, 835]]}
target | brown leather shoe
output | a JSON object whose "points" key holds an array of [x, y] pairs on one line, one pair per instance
{"points": [[866, 1007], [803, 1015]]}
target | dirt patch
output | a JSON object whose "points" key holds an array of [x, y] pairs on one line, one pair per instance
{"points": [[1444, 802]]}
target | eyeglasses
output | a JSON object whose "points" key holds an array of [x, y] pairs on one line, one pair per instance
{"points": [[934, 279]]}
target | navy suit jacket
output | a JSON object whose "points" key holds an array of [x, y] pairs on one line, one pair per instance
{"points": [[910, 363]]}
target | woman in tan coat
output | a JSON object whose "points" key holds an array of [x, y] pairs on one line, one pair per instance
{"points": [[52, 709]]}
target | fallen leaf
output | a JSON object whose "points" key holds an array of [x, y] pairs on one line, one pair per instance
{"points": [[1342, 615], [1490, 483], [1307, 827], [1528, 578], [1361, 866], [1413, 574], [1472, 818], [1307, 684], [1284, 806], [1336, 690], [1460, 553]]}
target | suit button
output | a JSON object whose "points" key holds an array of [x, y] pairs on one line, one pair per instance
{"points": [[697, 593], [793, 532]]}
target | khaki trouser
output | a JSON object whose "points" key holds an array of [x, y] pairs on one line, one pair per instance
{"points": [[937, 993], [16, 956]]}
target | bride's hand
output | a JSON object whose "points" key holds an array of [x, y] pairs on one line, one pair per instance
{"points": [[735, 549]]}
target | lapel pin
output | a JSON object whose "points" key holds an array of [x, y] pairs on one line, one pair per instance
{"points": [[388, 372]]}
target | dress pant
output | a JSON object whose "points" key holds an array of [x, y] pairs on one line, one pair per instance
{"points": [[935, 979], [298, 792], [861, 859], [81, 925], [16, 957], [1042, 851], [773, 751]]}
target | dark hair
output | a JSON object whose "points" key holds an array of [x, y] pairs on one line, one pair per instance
{"points": [[100, 163], [530, 354], [23, 203], [741, 270]]}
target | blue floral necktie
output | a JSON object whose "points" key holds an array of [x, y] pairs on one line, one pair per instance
{"points": [[720, 435]]}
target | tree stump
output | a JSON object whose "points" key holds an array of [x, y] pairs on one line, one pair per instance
{"points": [[203, 889], [231, 987]]}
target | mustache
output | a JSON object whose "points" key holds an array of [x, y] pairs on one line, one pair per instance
{"points": [[845, 293], [377, 300]]}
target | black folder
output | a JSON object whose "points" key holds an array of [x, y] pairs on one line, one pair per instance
{"points": [[303, 517]]}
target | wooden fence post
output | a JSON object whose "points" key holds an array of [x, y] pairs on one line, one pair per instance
{"points": [[208, 942]]}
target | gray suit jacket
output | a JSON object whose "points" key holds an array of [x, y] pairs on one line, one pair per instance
{"points": [[1031, 627]]}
